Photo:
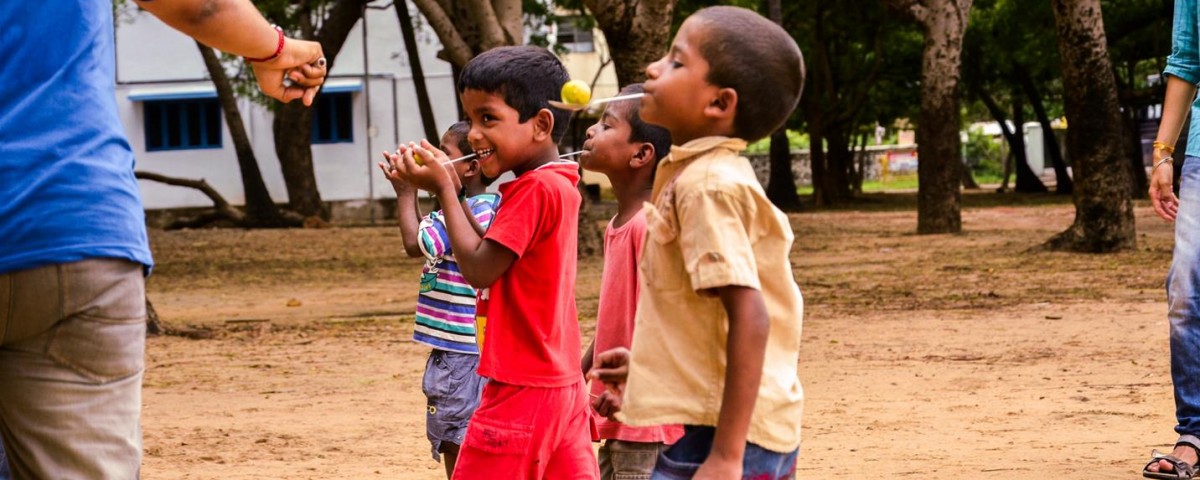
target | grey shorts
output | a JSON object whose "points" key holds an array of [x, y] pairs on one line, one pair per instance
{"points": [[452, 389]]}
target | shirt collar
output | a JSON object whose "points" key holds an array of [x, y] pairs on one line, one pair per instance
{"points": [[702, 145]]}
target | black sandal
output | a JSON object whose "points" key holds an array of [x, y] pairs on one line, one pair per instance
{"points": [[1181, 470]]}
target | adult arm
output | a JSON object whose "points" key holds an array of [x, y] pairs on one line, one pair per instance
{"points": [[1182, 73], [237, 27], [1162, 179]]}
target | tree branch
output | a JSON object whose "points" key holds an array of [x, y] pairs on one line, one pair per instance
{"points": [[455, 48], [219, 203], [911, 9], [491, 35]]}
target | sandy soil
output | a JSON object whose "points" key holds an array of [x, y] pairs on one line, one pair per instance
{"points": [[974, 355]]}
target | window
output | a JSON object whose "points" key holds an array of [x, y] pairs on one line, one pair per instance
{"points": [[182, 124], [333, 119], [574, 36]]}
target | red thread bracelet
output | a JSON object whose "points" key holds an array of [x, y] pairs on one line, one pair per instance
{"points": [[278, 48]]}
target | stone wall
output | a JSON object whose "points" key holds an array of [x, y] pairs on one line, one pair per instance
{"points": [[902, 160]]}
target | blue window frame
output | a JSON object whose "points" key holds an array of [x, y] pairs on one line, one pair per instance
{"points": [[182, 124], [333, 118]]}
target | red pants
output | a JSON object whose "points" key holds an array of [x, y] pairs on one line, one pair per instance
{"points": [[529, 433]]}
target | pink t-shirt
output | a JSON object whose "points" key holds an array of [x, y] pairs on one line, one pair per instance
{"points": [[614, 320]]}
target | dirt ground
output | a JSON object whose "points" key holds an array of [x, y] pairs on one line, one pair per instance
{"points": [[963, 356]]}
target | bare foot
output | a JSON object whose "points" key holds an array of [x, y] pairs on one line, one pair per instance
{"points": [[1184, 453]]}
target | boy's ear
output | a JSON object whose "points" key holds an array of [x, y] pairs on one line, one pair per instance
{"points": [[472, 169], [543, 125], [645, 155], [723, 106]]}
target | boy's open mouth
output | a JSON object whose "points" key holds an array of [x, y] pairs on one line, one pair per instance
{"points": [[484, 154]]}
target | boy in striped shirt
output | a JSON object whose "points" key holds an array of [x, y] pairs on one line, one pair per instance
{"points": [[446, 302]]}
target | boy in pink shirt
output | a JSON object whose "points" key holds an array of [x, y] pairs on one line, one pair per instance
{"points": [[626, 150]]}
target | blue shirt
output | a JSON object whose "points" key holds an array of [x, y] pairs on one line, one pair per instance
{"points": [[1184, 62], [67, 190]]}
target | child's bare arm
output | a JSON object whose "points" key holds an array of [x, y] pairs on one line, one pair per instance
{"points": [[745, 349], [407, 212], [585, 362], [471, 217]]}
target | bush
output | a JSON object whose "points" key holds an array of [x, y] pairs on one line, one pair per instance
{"points": [[983, 154]]}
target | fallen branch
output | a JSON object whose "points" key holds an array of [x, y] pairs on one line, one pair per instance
{"points": [[224, 209]]}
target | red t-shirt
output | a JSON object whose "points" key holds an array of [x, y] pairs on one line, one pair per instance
{"points": [[614, 320], [529, 324]]}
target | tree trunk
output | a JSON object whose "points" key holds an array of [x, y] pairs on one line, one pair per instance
{"points": [[1027, 179], [939, 200], [781, 186], [260, 209], [637, 33], [293, 121], [418, 73], [838, 161], [816, 156], [1139, 186], [1062, 180], [1103, 203]]}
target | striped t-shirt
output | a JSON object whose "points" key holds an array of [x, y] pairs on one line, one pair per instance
{"points": [[446, 302]]}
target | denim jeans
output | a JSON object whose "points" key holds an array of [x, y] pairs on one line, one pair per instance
{"points": [[621, 460], [682, 459], [1183, 300], [4, 475], [72, 348]]}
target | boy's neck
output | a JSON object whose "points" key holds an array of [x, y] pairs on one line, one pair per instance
{"points": [[631, 191], [543, 155], [474, 187], [723, 129]]}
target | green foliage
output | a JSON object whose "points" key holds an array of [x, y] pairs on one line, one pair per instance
{"points": [[983, 154], [796, 141]]}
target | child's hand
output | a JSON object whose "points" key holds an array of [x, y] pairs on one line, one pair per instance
{"points": [[715, 468], [432, 176], [607, 404], [612, 368], [390, 171]]}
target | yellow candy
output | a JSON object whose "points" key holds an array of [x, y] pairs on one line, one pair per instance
{"points": [[417, 158], [576, 92]]}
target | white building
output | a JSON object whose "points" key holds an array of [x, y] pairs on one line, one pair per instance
{"points": [[175, 126]]}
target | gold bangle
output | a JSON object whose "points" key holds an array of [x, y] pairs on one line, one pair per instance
{"points": [[1160, 162], [1164, 147]]}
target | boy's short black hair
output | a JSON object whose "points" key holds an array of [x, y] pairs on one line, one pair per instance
{"points": [[759, 60], [526, 76], [640, 131], [457, 133]]}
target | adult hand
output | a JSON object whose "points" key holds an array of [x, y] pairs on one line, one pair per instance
{"points": [[1162, 194], [302, 62]]}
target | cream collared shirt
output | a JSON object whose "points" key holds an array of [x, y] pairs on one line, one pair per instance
{"points": [[711, 225]]}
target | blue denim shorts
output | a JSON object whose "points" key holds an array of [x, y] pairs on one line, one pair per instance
{"points": [[683, 459], [452, 389]]}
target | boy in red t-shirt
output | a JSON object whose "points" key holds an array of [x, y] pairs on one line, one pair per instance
{"points": [[626, 150], [532, 422]]}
